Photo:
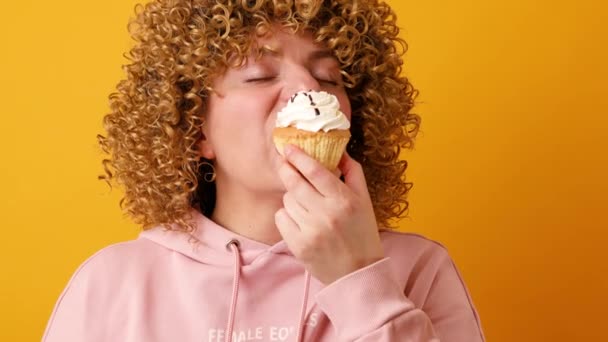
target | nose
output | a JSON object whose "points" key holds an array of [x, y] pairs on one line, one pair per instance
{"points": [[298, 79]]}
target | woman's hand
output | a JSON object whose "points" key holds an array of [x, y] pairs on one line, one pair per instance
{"points": [[328, 225]]}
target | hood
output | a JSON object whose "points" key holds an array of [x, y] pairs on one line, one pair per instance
{"points": [[209, 243]]}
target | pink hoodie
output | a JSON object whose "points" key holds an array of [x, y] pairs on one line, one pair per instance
{"points": [[163, 287]]}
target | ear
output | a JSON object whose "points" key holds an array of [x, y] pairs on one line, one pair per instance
{"points": [[205, 149]]}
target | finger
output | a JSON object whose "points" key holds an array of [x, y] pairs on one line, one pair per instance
{"points": [[295, 183], [337, 172], [288, 228], [295, 209], [317, 175], [354, 177]]}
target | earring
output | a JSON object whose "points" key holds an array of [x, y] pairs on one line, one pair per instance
{"points": [[208, 176]]}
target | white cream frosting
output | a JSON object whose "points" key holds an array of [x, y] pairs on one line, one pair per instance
{"points": [[313, 111]]}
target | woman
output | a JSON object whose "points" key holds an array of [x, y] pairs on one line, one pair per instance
{"points": [[240, 243]]}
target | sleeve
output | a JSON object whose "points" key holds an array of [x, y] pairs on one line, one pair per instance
{"points": [[85, 308], [66, 321], [369, 305]]}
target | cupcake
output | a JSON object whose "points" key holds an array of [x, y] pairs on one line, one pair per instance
{"points": [[312, 120]]}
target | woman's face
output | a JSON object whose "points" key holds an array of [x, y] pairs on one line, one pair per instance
{"points": [[241, 114]]}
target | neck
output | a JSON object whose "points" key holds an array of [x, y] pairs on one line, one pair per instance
{"points": [[248, 213]]}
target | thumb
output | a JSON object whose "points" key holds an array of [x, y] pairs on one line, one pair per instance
{"points": [[353, 174]]}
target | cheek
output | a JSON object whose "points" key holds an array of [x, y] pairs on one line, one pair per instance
{"points": [[239, 119], [239, 109], [256, 100], [345, 105]]}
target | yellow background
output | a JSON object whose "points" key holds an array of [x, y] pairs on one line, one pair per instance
{"points": [[509, 171]]}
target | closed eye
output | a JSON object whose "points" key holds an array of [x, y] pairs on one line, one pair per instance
{"points": [[260, 79], [330, 82]]}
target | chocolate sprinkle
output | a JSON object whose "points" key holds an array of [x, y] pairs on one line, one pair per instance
{"points": [[317, 111], [312, 103]]}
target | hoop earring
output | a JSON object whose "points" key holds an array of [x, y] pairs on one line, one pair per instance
{"points": [[209, 176]]}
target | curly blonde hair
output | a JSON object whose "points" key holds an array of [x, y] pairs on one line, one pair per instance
{"points": [[155, 123]]}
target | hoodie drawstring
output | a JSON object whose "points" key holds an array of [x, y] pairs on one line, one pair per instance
{"points": [[233, 246], [303, 310]]}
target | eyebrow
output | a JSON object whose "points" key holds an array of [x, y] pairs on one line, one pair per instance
{"points": [[267, 50], [321, 54]]}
